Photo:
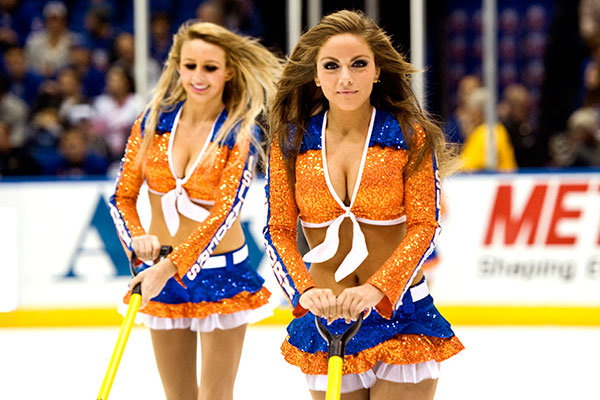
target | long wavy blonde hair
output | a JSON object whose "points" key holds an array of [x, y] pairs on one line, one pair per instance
{"points": [[246, 95], [298, 98]]}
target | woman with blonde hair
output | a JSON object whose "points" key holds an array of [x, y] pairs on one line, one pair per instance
{"points": [[356, 159], [196, 145]]}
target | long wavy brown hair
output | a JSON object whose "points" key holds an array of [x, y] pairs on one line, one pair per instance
{"points": [[298, 98], [246, 95]]}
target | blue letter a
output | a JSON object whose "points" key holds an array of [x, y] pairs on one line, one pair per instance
{"points": [[103, 223]]}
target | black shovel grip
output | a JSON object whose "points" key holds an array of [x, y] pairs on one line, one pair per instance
{"points": [[164, 251], [337, 343]]}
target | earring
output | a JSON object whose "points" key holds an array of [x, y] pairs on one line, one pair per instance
{"points": [[376, 80]]}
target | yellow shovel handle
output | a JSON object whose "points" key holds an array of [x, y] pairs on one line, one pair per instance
{"points": [[334, 378], [134, 305]]}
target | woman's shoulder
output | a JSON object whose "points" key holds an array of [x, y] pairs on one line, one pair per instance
{"points": [[166, 118], [312, 136], [387, 131]]}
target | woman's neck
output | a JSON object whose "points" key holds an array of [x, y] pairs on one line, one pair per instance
{"points": [[196, 113], [346, 122]]}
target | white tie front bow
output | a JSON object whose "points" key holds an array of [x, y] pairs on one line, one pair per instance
{"points": [[177, 201]]}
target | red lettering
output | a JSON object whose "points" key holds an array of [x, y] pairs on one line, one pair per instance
{"points": [[502, 215], [560, 213]]}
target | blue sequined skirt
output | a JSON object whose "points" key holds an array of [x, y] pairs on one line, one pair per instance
{"points": [[417, 332], [227, 289], [420, 317]]}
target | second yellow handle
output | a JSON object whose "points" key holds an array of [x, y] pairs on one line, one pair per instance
{"points": [[134, 305], [334, 378]]}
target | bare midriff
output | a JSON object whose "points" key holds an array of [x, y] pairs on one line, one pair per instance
{"points": [[233, 239], [381, 242]]}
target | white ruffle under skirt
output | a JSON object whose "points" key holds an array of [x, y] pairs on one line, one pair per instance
{"points": [[208, 324], [409, 373]]}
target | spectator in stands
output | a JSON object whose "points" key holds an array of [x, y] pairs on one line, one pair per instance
{"points": [[580, 145], [237, 15], [160, 36], [211, 11], [514, 111], [14, 160], [82, 117], [48, 48], [92, 78], [45, 131], [584, 132], [473, 154], [242, 16], [591, 75], [14, 113], [124, 54], [116, 110], [71, 93], [75, 158], [589, 21], [457, 126], [99, 34], [23, 81], [16, 21]]}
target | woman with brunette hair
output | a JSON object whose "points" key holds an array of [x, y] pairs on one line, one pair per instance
{"points": [[357, 160]]}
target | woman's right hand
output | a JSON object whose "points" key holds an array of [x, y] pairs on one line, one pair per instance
{"points": [[146, 247], [320, 302], [153, 279]]}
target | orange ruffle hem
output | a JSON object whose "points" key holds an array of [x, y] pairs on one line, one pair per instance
{"points": [[240, 302], [401, 349]]}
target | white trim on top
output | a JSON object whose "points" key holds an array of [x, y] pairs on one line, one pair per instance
{"points": [[385, 222], [360, 168], [193, 200], [183, 180]]}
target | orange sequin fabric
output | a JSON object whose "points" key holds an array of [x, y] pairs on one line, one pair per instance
{"points": [[202, 184], [384, 194], [225, 182], [401, 349], [379, 196]]}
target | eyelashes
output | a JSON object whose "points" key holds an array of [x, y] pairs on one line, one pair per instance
{"points": [[207, 68], [331, 66]]}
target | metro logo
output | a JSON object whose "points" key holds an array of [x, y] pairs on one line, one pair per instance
{"points": [[560, 212], [504, 216]]}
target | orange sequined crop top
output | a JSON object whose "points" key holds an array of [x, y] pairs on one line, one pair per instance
{"points": [[377, 199], [382, 196], [222, 184]]}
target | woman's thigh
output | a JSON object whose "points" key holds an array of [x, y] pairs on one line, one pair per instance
{"points": [[221, 353], [175, 353], [424, 390], [362, 394]]}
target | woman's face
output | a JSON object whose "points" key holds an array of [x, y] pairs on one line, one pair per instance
{"points": [[203, 71], [346, 71]]}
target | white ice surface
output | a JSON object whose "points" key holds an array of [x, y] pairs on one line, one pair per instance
{"points": [[499, 363]]}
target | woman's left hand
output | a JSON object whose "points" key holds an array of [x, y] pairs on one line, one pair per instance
{"points": [[154, 279], [354, 300]]}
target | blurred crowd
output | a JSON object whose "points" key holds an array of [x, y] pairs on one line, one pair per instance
{"points": [[516, 133], [67, 94], [68, 99], [526, 76]]}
